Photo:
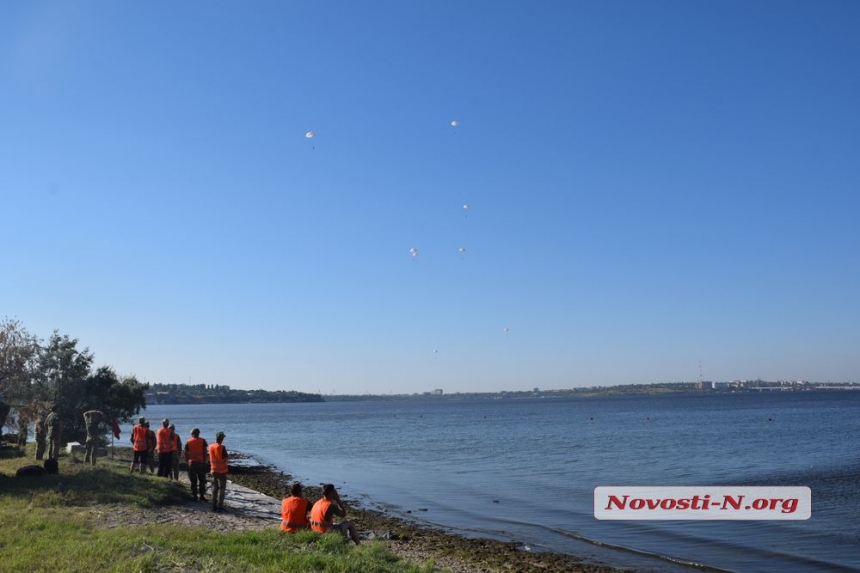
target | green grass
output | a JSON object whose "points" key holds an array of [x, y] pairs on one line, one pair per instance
{"points": [[48, 524]]}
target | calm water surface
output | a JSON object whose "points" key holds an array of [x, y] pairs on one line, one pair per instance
{"points": [[526, 469]]}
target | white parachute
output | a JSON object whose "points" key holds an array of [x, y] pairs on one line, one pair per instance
{"points": [[454, 123], [414, 252], [310, 134]]}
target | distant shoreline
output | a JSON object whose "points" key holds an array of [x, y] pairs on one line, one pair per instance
{"points": [[259, 396]]}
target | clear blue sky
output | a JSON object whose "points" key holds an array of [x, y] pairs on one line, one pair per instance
{"points": [[652, 185]]}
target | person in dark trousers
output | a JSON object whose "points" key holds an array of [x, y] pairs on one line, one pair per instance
{"points": [[177, 445], [140, 445], [197, 457], [165, 446]]}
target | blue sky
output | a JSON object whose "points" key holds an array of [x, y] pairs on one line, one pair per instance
{"points": [[653, 185]]}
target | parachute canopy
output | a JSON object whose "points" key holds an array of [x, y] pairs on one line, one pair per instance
{"points": [[455, 123], [310, 134]]}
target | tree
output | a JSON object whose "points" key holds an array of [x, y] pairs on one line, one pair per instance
{"points": [[74, 389], [18, 367], [33, 377], [63, 370], [117, 397]]}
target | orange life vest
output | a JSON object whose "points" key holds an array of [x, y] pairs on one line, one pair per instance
{"points": [[318, 511], [138, 438], [294, 514], [195, 450], [165, 441], [218, 459]]}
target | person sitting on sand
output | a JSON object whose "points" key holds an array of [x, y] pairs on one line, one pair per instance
{"points": [[294, 511], [324, 510]]}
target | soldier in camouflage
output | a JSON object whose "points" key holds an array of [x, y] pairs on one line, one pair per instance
{"points": [[92, 420]]}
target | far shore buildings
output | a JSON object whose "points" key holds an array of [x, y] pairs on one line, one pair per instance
{"points": [[760, 385]]}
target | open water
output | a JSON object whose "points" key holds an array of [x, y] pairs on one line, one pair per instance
{"points": [[525, 470]]}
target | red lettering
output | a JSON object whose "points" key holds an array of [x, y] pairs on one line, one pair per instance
{"points": [[730, 501], [613, 499]]}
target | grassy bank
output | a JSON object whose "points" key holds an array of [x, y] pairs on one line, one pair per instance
{"points": [[51, 523]]}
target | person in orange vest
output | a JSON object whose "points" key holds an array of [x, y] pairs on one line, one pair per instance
{"points": [[165, 446], [140, 445], [197, 456], [177, 443], [219, 470], [324, 510], [152, 442], [294, 511]]}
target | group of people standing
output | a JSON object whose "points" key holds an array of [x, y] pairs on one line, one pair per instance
{"points": [[296, 511], [201, 457], [48, 432]]}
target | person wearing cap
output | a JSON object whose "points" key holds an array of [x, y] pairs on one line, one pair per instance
{"points": [[197, 456], [165, 446], [324, 510], [177, 443], [219, 470]]}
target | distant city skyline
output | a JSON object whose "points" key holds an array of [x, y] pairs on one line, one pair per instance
{"points": [[274, 195]]}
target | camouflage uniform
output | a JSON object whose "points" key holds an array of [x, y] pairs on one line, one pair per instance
{"points": [[92, 420], [23, 431], [41, 431], [55, 431]]}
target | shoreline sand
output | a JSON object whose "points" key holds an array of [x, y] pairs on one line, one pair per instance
{"points": [[253, 503]]}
